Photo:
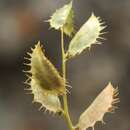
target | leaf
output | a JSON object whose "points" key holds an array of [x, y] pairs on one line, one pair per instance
{"points": [[104, 103], [63, 18], [45, 81], [86, 36]]}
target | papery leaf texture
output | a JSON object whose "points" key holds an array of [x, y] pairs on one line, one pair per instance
{"points": [[105, 102], [87, 35], [63, 18], [45, 81]]}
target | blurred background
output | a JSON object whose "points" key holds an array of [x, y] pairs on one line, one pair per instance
{"points": [[22, 25]]}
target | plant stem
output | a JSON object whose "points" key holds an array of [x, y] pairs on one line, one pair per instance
{"points": [[65, 100]]}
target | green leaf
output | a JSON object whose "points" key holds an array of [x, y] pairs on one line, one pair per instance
{"points": [[63, 18], [104, 103], [86, 36]]}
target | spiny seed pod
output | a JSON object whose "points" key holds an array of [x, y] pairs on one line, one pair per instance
{"points": [[87, 35], [45, 81], [63, 18], [105, 102], [44, 73]]}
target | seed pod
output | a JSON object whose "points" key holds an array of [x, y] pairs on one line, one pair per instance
{"points": [[105, 102], [49, 101], [87, 35], [45, 81], [63, 18], [44, 73]]}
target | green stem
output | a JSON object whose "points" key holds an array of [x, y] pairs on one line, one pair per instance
{"points": [[65, 100]]}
